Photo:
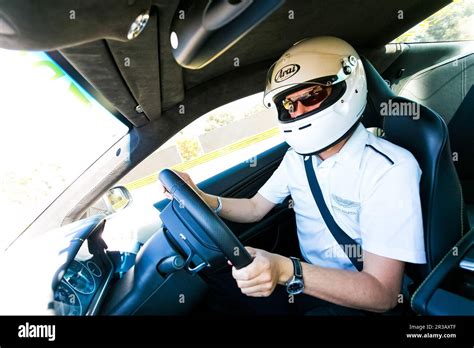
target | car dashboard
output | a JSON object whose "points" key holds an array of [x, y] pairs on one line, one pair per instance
{"points": [[85, 281]]}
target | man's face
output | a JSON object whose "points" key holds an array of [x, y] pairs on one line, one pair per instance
{"points": [[307, 99]]}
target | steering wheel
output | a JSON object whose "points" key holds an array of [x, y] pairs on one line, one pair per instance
{"points": [[208, 220]]}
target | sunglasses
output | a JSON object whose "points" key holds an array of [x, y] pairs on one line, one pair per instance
{"points": [[312, 97]]}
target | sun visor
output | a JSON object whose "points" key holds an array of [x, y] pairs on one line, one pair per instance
{"points": [[55, 24], [202, 30]]}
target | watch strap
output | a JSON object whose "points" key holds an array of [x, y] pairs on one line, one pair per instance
{"points": [[297, 269]]}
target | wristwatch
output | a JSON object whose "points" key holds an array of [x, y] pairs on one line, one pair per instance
{"points": [[295, 285], [219, 206]]}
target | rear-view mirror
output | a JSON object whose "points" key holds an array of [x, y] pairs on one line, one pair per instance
{"points": [[202, 30]]}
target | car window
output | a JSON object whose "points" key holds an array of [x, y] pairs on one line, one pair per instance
{"points": [[53, 130], [231, 134], [452, 23]]}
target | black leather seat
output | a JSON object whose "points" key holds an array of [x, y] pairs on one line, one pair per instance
{"points": [[427, 139]]}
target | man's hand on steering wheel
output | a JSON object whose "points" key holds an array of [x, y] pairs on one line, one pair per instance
{"points": [[187, 179], [210, 200], [260, 278]]}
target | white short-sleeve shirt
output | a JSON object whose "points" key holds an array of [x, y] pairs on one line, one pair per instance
{"points": [[371, 188]]}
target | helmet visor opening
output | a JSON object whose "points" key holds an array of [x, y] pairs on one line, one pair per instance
{"points": [[326, 94], [308, 97]]}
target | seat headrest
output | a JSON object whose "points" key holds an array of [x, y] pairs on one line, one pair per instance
{"points": [[378, 92]]}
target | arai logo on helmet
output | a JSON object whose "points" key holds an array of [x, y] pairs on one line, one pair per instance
{"points": [[286, 72]]}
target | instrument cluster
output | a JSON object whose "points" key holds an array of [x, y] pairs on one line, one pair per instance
{"points": [[77, 288]]}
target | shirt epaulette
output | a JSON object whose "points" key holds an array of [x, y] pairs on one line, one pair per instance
{"points": [[380, 153]]}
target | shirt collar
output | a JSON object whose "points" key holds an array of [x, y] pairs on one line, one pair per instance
{"points": [[351, 153]]}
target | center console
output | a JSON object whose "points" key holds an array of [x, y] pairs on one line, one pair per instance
{"points": [[449, 289], [158, 283]]}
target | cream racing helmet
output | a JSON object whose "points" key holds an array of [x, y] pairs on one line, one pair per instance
{"points": [[334, 65]]}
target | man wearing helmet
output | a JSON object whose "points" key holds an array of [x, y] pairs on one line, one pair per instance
{"points": [[370, 188]]}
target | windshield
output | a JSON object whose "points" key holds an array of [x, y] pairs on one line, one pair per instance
{"points": [[52, 131]]}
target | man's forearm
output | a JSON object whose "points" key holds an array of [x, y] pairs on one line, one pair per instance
{"points": [[358, 290], [233, 209]]}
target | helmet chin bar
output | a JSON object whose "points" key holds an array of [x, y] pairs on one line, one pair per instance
{"points": [[345, 135]]}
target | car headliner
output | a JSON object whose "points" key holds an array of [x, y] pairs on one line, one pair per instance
{"points": [[159, 85]]}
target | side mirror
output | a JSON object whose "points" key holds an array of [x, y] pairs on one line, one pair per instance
{"points": [[116, 199], [202, 30]]}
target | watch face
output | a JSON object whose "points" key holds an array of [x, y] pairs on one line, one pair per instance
{"points": [[295, 287]]}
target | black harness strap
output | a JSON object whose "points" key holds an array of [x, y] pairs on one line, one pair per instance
{"points": [[346, 242]]}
